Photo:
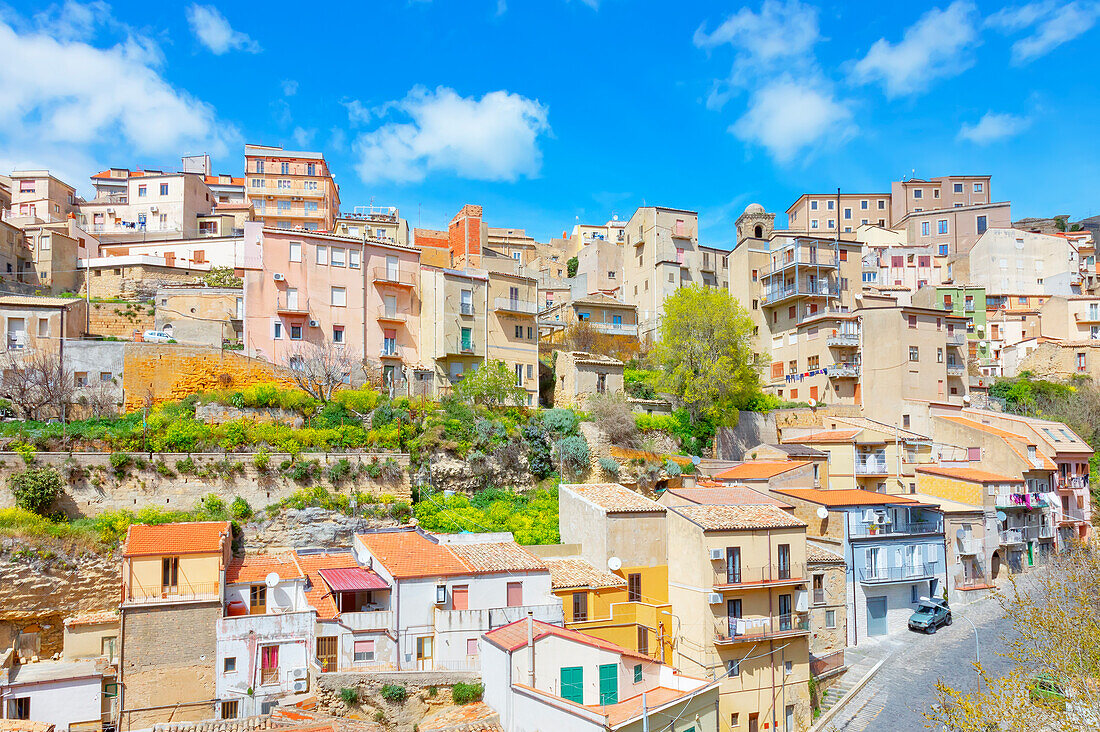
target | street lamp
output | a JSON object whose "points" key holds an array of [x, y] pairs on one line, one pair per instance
{"points": [[977, 653]]}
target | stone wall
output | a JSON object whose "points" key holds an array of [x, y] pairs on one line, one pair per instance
{"points": [[39, 589], [214, 413], [97, 488], [119, 320], [402, 716], [308, 527]]}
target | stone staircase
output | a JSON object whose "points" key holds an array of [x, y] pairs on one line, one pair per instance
{"points": [[858, 663]]}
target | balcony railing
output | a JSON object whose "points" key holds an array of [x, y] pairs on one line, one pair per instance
{"points": [[956, 369], [295, 306], [803, 289], [844, 370], [898, 529], [1020, 500], [905, 573], [956, 339], [803, 260], [843, 340], [824, 664], [507, 304], [462, 348], [1072, 514], [392, 316], [389, 352], [183, 592], [629, 329], [871, 467], [1012, 536], [769, 573], [737, 630], [392, 276], [969, 546]]}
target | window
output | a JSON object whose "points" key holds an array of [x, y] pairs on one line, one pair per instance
{"points": [[831, 204], [958, 188], [337, 334], [229, 709], [257, 599], [943, 250], [918, 193], [634, 587], [813, 224], [813, 205], [164, 189], [44, 243], [169, 574], [322, 255], [978, 187], [310, 207], [982, 224], [638, 671], [925, 228], [353, 258], [924, 261], [1081, 362], [339, 296], [311, 168], [755, 275], [19, 708], [283, 207], [601, 383], [229, 664], [363, 650], [939, 355], [295, 251], [269, 664], [143, 191], [912, 321], [973, 454], [467, 339], [643, 640], [832, 223], [847, 213], [580, 607], [882, 204], [941, 226], [914, 353], [733, 669], [337, 257], [572, 684], [295, 332], [284, 168], [471, 647], [863, 207], [788, 668]]}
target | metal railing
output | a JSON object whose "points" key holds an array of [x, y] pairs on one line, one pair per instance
{"points": [[1025, 500], [615, 328], [825, 664], [805, 288], [390, 352], [183, 591], [843, 340], [459, 347], [284, 305], [956, 339], [844, 370], [871, 575], [956, 369], [728, 576], [804, 260], [394, 276], [900, 528], [515, 306], [1012, 536], [728, 630], [1072, 514], [871, 467]]}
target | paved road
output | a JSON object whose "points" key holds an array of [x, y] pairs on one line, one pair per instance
{"points": [[905, 687]]}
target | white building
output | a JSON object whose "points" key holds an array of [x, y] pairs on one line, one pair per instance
{"points": [[137, 205], [61, 693], [540, 676]]}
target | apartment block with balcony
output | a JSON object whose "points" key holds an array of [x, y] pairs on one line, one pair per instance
{"points": [[381, 223], [945, 192], [829, 213], [37, 197], [584, 235], [453, 588], [967, 301], [513, 330], [393, 310], [892, 546], [714, 267], [661, 254], [604, 314], [740, 593], [819, 358], [455, 309], [291, 189], [172, 598], [911, 267], [139, 205]]}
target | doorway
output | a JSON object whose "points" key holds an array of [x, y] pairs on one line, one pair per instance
{"points": [[424, 653], [876, 616]]}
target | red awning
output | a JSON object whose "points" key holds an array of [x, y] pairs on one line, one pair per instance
{"points": [[353, 579]]}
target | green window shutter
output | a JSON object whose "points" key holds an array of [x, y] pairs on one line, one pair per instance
{"points": [[572, 684], [609, 683], [638, 673]]}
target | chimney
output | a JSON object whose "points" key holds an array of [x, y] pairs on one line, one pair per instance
{"points": [[530, 649]]}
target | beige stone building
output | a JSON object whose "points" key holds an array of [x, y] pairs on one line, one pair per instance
{"points": [[829, 213], [38, 197], [135, 276], [604, 314], [828, 612], [200, 315], [138, 205], [1013, 262], [600, 267], [584, 235], [37, 324], [513, 332], [291, 189], [381, 223], [578, 375]]}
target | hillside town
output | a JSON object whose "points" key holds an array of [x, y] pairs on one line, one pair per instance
{"points": [[275, 461]]}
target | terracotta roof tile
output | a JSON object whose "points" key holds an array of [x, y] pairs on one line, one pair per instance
{"points": [[972, 475], [630, 708], [759, 470], [476, 717], [573, 572], [103, 616], [256, 567], [826, 436], [736, 518], [318, 594], [513, 636], [847, 497], [1010, 438], [496, 557], [716, 494], [408, 554], [817, 553], [614, 498], [197, 537]]}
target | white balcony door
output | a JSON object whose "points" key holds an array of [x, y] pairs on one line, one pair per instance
{"points": [[17, 332], [292, 298], [391, 268], [391, 305]]}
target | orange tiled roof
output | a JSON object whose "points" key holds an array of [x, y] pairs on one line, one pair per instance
{"points": [[103, 616], [213, 180], [256, 567], [970, 474], [846, 497], [815, 553], [197, 537], [826, 436], [614, 498], [737, 518], [1009, 437], [630, 708], [574, 572], [513, 636], [759, 470], [497, 556], [318, 594], [476, 717], [720, 494], [408, 554]]}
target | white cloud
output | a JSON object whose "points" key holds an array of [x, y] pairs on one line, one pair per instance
{"points": [[73, 20], [787, 115], [358, 113], [1050, 24], [936, 46], [992, 127], [290, 87], [214, 31], [62, 98], [303, 137], [492, 138], [780, 37]]}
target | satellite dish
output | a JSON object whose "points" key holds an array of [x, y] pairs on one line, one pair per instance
{"points": [[614, 564], [1001, 516], [812, 403], [822, 512], [966, 399], [272, 579], [961, 533], [363, 556]]}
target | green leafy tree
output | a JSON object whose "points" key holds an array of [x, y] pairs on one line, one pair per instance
{"points": [[706, 353], [571, 266], [35, 489], [222, 277], [493, 385]]}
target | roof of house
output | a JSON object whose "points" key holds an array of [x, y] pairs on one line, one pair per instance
{"points": [[760, 469], [352, 579], [196, 537], [318, 594], [513, 636], [972, 475], [96, 618], [796, 450], [496, 556], [826, 436], [821, 555], [738, 518], [845, 497], [715, 494], [865, 423], [33, 301], [1010, 439], [576, 572], [476, 717], [256, 567], [632, 707], [1072, 443], [614, 498], [408, 554], [598, 298]]}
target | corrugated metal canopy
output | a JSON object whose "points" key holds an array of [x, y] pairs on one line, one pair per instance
{"points": [[353, 579]]}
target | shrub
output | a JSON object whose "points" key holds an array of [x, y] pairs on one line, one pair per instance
{"points": [[35, 489], [560, 421], [573, 452], [339, 471], [538, 450], [349, 695], [26, 452], [610, 466], [613, 415], [433, 691], [395, 693], [463, 693], [185, 465], [120, 461], [672, 468], [162, 469], [261, 460], [239, 509], [390, 470]]}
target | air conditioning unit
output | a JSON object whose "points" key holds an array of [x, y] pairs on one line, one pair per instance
{"points": [[868, 516], [714, 598], [881, 520], [314, 324], [278, 277], [440, 594], [716, 555], [299, 687], [298, 674]]}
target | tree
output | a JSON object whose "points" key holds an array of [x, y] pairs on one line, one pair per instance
{"points": [[36, 488], [319, 369], [1055, 613], [37, 383], [706, 353], [571, 266], [493, 385], [222, 277], [613, 415]]}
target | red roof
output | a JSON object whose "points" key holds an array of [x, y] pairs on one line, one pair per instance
{"points": [[197, 537], [970, 474], [256, 568], [213, 180], [826, 436], [353, 579], [724, 494], [759, 470], [409, 554], [846, 497], [318, 594], [513, 636]]}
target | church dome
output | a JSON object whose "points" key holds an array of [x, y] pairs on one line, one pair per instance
{"points": [[754, 208]]}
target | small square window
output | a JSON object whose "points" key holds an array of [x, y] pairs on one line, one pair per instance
{"points": [[295, 332], [914, 353], [830, 618], [229, 665]]}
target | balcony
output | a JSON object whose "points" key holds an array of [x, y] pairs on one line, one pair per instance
{"points": [[475, 621], [748, 630], [368, 620], [969, 546], [1046, 531], [902, 528], [805, 260], [183, 592], [871, 465], [394, 277], [843, 340], [508, 305], [623, 329], [767, 575], [393, 352], [681, 231], [1029, 501], [905, 573], [956, 339], [390, 316], [956, 369], [776, 295], [844, 371], [1072, 515], [1011, 537], [458, 347], [290, 306]]}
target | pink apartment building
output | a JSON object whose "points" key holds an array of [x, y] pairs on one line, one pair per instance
{"points": [[310, 287]]}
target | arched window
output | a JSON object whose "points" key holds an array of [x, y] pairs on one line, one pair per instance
{"points": [[759, 231]]}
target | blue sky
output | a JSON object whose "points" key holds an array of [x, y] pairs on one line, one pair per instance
{"points": [[544, 112]]}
